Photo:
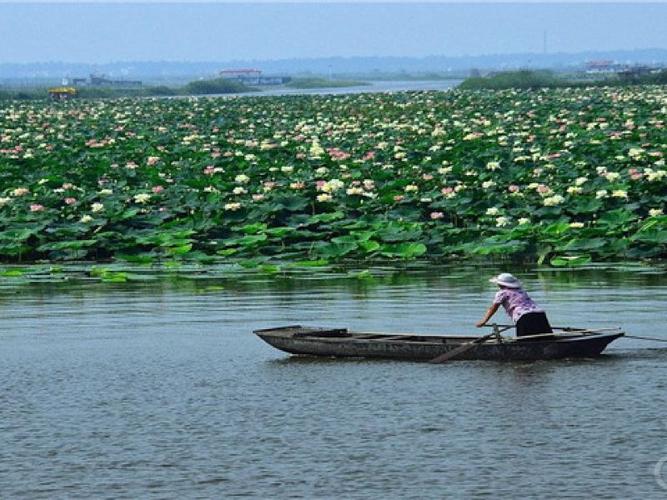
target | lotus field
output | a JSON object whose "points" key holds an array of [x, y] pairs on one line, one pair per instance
{"points": [[561, 176]]}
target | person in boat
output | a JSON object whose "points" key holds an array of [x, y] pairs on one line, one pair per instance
{"points": [[528, 317]]}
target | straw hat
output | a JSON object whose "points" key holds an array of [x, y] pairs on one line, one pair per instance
{"points": [[506, 279]]}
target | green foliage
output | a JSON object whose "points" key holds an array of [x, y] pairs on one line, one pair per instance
{"points": [[215, 86], [559, 176], [318, 83], [523, 79], [539, 79]]}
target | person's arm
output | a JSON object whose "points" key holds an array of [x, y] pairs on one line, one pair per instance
{"points": [[490, 312]]}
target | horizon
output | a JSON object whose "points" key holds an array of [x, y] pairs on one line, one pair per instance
{"points": [[316, 58], [106, 33]]}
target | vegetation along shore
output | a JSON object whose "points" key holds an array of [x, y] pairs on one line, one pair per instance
{"points": [[562, 176]]}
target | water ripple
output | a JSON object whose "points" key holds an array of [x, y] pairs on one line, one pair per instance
{"points": [[161, 391]]}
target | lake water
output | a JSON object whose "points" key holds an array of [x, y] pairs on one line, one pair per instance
{"points": [[160, 390], [372, 87]]}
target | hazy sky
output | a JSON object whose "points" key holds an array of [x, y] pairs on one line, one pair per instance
{"points": [[99, 33]]}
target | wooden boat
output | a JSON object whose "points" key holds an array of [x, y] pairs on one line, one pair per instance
{"points": [[317, 341]]}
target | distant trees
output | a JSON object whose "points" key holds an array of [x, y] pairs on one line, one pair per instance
{"points": [[537, 79], [215, 86], [523, 79]]}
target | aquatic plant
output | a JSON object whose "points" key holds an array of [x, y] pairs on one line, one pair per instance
{"points": [[562, 176]]}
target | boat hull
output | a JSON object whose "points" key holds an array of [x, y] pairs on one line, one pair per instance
{"points": [[425, 348]]}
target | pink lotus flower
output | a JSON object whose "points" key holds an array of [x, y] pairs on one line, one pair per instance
{"points": [[319, 185], [447, 190], [36, 207], [398, 197], [542, 189], [513, 188], [635, 174], [369, 156], [338, 154], [152, 160], [157, 189], [427, 177], [209, 170], [437, 215], [12, 151], [70, 201]]}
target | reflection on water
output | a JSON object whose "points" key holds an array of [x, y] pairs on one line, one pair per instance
{"points": [[159, 389]]}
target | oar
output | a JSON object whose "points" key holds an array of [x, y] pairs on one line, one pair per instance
{"points": [[461, 349]]}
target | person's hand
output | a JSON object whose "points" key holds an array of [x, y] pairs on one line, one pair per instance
{"points": [[480, 324]]}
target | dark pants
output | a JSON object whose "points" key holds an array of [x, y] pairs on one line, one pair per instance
{"points": [[533, 324]]}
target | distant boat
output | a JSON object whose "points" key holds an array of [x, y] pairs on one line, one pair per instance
{"points": [[339, 342]]}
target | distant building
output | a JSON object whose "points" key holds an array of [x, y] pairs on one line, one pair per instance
{"points": [[602, 66], [251, 76], [103, 81], [624, 71], [246, 75], [633, 72]]}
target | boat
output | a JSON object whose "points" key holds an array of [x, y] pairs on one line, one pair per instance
{"points": [[339, 342]]}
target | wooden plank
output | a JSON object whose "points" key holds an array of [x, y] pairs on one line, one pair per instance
{"points": [[332, 332], [569, 335], [278, 328]]}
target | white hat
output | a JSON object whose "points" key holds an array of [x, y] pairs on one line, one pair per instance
{"points": [[506, 279]]}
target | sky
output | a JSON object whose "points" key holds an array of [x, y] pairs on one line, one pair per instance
{"points": [[106, 32]]}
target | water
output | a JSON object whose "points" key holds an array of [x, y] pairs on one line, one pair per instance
{"points": [[372, 87], [159, 390]]}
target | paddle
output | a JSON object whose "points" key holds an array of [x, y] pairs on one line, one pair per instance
{"points": [[461, 349]]}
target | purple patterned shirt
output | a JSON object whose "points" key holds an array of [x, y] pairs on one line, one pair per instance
{"points": [[516, 302]]}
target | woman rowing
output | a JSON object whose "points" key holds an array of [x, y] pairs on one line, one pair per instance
{"points": [[528, 317]]}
